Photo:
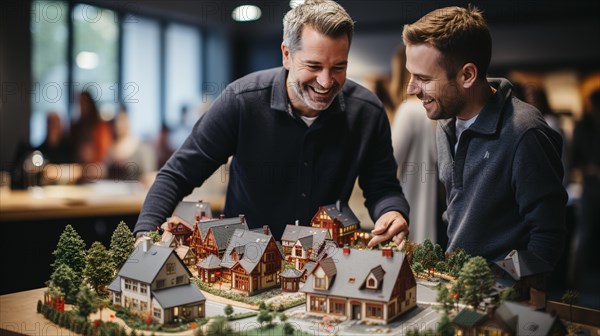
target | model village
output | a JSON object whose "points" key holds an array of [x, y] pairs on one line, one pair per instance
{"points": [[199, 275]]}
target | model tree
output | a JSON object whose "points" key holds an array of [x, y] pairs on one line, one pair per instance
{"points": [[444, 327], [445, 299], [65, 279], [508, 294], [456, 260], [122, 244], [99, 269], [475, 281], [228, 310], [86, 302], [70, 251]]}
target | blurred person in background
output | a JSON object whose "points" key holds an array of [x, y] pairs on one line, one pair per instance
{"points": [[91, 135]]}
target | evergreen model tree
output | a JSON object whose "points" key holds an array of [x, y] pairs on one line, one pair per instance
{"points": [[122, 244], [475, 281], [65, 279], [228, 310], [70, 251], [99, 269], [85, 302]]}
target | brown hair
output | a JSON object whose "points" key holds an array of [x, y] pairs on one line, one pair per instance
{"points": [[325, 16], [460, 34]]}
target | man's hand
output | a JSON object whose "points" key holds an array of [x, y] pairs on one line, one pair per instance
{"points": [[390, 226]]}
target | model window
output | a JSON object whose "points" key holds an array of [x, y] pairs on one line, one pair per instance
{"points": [[143, 289], [179, 280], [170, 268], [317, 304], [157, 313], [160, 283], [375, 311], [319, 283], [371, 283]]}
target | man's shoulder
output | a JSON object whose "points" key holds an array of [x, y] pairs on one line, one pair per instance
{"points": [[355, 91], [256, 81]]}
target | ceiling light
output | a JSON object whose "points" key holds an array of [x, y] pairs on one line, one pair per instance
{"points": [[246, 13], [87, 60]]}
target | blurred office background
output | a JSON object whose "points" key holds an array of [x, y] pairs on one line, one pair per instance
{"points": [[161, 57]]}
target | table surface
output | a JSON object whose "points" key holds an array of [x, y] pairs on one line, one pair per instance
{"points": [[69, 201]]}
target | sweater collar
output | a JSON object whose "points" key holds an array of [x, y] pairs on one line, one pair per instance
{"points": [[279, 97], [489, 118]]}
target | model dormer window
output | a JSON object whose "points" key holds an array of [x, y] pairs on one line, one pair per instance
{"points": [[170, 268], [298, 251], [320, 283], [374, 279], [372, 283]]}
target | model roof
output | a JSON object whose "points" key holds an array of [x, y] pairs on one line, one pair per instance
{"points": [[351, 271], [144, 266], [210, 262], [520, 264], [290, 273], [520, 318], [467, 318], [254, 245], [342, 213], [212, 223], [293, 232], [182, 251], [187, 211], [223, 232], [178, 296]]}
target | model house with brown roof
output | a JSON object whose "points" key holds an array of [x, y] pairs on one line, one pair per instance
{"points": [[381, 289], [181, 223], [252, 261], [339, 220], [155, 282]]}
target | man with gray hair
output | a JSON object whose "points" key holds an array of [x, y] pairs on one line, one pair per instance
{"points": [[299, 135]]}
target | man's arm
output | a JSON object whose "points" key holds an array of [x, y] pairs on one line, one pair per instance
{"points": [[212, 141], [383, 194], [539, 193]]}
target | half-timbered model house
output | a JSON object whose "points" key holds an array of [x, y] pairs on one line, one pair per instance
{"points": [[339, 219], [253, 260], [302, 244], [181, 222], [212, 236]]}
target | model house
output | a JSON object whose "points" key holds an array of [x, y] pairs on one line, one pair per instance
{"points": [[181, 223], [526, 273], [339, 220], [155, 282], [302, 244], [509, 319], [212, 236], [252, 261], [367, 285]]}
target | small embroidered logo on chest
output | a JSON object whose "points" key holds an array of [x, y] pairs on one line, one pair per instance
{"points": [[486, 155]]}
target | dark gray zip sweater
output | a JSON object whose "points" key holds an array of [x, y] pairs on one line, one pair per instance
{"points": [[504, 184]]}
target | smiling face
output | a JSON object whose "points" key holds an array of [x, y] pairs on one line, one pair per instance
{"points": [[442, 97], [316, 71]]}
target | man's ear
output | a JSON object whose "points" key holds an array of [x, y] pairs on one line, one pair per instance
{"points": [[285, 53], [468, 75]]}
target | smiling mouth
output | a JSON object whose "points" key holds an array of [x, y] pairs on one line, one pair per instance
{"points": [[320, 91], [427, 101]]}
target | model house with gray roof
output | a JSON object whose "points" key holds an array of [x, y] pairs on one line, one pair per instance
{"points": [[510, 318], [212, 236], [302, 244], [181, 223], [155, 282], [380, 289], [252, 261], [526, 274], [339, 220]]}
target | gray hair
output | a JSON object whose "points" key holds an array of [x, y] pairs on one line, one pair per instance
{"points": [[325, 16]]}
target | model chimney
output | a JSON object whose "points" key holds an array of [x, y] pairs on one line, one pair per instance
{"points": [[338, 205], [346, 249], [297, 222], [221, 216], [266, 230], [387, 252], [242, 219], [146, 243]]}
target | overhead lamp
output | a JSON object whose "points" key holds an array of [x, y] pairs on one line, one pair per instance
{"points": [[87, 60], [246, 13]]}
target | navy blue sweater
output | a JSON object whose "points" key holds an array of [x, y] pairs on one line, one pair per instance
{"points": [[504, 184], [281, 169]]}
